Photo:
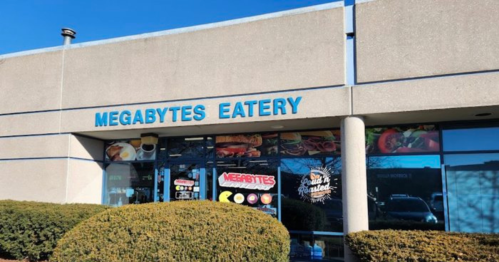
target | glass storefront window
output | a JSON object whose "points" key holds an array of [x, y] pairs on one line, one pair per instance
{"points": [[209, 180], [129, 150], [129, 183], [311, 194], [185, 181], [475, 139], [210, 147], [311, 143], [185, 147], [249, 182], [400, 140], [246, 145], [473, 192], [310, 247], [402, 191]]}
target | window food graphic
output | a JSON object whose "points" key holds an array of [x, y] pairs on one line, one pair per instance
{"points": [[316, 186], [254, 145], [130, 150], [412, 139], [311, 143]]}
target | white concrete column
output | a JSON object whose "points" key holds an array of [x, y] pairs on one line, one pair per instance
{"points": [[354, 180]]}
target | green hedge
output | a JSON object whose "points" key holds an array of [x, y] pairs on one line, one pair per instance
{"points": [[30, 230], [176, 231], [392, 245], [404, 225]]}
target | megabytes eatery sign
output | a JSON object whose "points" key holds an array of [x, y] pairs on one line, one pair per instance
{"points": [[197, 112]]}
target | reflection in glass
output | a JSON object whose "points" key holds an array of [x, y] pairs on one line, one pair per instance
{"points": [[129, 183], [471, 139], [308, 247], [209, 180], [402, 191], [473, 192], [299, 212], [185, 181], [185, 147], [249, 182], [210, 147], [161, 183]]}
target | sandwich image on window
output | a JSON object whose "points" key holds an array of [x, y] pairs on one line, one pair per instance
{"points": [[310, 143], [253, 145]]}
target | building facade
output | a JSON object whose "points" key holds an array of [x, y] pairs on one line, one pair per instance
{"points": [[333, 118]]}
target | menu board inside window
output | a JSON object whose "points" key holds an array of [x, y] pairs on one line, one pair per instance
{"points": [[246, 145], [309, 143], [399, 140], [129, 150]]}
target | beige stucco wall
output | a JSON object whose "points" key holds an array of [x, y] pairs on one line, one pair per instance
{"points": [[59, 145], [30, 83], [84, 182], [86, 148], [29, 124], [34, 147], [413, 38], [36, 180], [476, 90], [287, 52]]}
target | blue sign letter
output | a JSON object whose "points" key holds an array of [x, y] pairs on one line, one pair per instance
{"points": [[138, 117], [238, 110], [294, 104], [150, 116], [101, 120], [125, 117], [263, 107], [199, 113], [222, 110]]}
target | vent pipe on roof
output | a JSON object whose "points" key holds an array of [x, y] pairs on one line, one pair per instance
{"points": [[68, 34]]}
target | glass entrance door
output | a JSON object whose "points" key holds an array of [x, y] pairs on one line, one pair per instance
{"points": [[186, 181]]}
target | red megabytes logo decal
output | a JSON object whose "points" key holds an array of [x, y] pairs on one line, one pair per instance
{"points": [[248, 181], [183, 182]]}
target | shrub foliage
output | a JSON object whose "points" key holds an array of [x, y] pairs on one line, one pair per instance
{"points": [[30, 230], [392, 245], [404, 225], [176, 231]]}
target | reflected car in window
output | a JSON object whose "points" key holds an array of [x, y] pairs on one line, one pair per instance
{"points": [[409, 208], [437, 205], [334, 209]]}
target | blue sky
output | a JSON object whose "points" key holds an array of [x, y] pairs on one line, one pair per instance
{"points": [[32, 24]]}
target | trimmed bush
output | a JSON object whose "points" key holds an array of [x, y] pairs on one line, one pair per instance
{"points": [[392, 245], [404, 225], [176, 231], [30, 230]]}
